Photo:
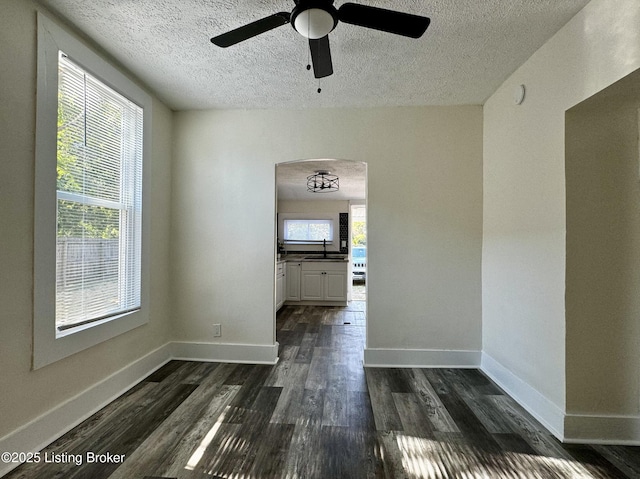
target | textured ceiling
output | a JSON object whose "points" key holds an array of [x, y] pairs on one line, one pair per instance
{"points": [[291, 179], [471, 47]]}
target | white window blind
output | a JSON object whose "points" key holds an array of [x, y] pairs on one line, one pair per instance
{"points": [[308, 231], [99, 199]]}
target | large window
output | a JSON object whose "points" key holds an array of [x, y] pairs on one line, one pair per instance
{"points": [[99, 199], [91, 231]]}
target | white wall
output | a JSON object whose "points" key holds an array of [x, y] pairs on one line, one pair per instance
{"points": [[424, 224], [523, 277], [603, 252], [27, 394]]}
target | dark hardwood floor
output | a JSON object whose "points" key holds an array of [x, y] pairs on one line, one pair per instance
{"points": [[319, 414]]}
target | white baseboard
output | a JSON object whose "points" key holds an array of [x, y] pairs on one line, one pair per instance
{"points": [[225, 352], [589, 429], [45, 429], [568, 428], [420, 358], [538, 405]]}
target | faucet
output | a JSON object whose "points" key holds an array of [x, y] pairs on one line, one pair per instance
{"points": [[324, 247]]}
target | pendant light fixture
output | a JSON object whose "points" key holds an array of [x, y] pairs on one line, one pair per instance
{"points": [[322, 182]]}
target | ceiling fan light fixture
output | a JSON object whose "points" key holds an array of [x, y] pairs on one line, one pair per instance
{"points": [[314, 23], [315, 19]]}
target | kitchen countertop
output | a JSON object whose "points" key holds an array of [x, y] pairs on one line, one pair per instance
{"points": [[331, 257]]}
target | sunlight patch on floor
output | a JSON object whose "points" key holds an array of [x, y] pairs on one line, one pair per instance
{"points": [[199, 452], [426, 458]]}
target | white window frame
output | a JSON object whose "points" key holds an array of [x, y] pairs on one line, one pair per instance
{"points": [[48, 344], [308, 221], [297, 245]]}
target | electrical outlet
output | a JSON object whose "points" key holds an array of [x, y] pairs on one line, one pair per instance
{"points": [[217, 330]]}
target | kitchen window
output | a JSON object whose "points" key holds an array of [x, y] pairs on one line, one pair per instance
{"points": [[308, 231], [90, 240]]}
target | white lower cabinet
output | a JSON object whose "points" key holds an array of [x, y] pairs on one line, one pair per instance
{"points": [[293, 281], [335, 286], [280, 284], [323, 281], [312, 286]]}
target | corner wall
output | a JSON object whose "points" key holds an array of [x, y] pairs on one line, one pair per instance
{"points": [[603, 262], [524, 252], [27, 395]]}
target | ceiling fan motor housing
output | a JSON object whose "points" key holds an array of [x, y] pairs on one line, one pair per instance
{"points": [[314, 19]]}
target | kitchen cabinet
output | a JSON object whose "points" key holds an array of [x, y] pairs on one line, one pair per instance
{"points": [[280, 283], [324, 281], [293, 281], [312, 286]]}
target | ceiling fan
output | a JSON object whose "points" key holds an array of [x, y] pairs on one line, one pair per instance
{"points": [[315, 19]]}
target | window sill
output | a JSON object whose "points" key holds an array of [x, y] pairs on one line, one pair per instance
{"points": [[61, 333]]}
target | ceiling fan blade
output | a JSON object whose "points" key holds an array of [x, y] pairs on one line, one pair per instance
{"points": [[251, 30], [390, 21], [321, 57]]}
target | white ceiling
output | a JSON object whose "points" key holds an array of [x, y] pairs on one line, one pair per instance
{"points": [[470, 48], [291, 179]]}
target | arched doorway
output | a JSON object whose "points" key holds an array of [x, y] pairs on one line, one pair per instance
{"points": [[312, 216]]}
